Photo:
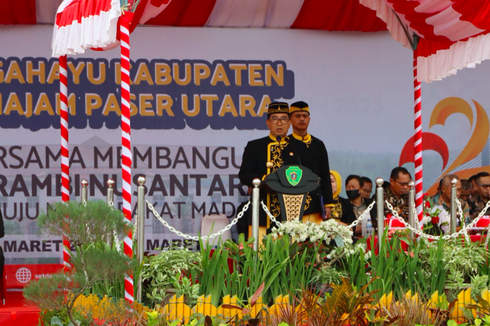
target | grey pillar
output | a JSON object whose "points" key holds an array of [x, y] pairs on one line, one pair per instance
{"points": [[140, 232], [255, 212], [381, 212]]}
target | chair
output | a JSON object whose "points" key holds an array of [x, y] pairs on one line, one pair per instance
{"points": [[211, 224]]}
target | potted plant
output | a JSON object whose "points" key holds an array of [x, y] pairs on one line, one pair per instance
{"points": [[171, 271], [95, 264]]}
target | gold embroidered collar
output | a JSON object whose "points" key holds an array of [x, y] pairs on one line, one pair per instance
{"points": [[306, 139]]}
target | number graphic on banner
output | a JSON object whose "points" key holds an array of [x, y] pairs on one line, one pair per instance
{"points": [[442, 111], [430, 141], [478, 139]]}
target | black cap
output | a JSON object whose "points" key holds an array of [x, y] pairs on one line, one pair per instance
{"points": [[299, 106], [277, 107]]}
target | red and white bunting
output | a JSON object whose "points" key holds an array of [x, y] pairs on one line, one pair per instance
{"points": [[85, 24], [453, 34]]}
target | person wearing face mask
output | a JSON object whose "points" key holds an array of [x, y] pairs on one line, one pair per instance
{"points": [[353, 188], [342, 209]]}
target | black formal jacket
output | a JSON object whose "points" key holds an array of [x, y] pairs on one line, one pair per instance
{"points": [[315, 157], [260, 151]]}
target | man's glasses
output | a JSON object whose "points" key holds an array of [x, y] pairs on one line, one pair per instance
{"points": [[484, 186], [403, 184], [275, 120]]}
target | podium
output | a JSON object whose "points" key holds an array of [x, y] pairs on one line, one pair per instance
{"points": [[292, 183]]}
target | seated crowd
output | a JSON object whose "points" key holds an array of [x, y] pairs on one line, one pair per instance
{"points": [[266, 155]]}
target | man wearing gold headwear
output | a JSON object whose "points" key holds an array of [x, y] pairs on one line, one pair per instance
{"points": [[265, 155], [315, 157]]}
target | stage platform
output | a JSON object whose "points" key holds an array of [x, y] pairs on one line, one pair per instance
{"points": [[16, 312]]}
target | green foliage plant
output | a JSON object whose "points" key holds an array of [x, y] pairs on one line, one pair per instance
{"points": [[183, 287], [250, 268], [87, 227], [357, 266], [284, 264], [215, 279], [328, 275], [174, 267], [464, 259], [478, 284], [198, 319], [424, 273], [387, 266]]}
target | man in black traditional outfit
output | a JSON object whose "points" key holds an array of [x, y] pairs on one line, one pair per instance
{"points": [[315, 157], [265, 155]]}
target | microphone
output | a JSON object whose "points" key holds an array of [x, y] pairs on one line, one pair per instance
{"points": [[290, 153], [298, 158]]}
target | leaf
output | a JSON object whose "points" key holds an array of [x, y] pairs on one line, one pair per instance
{"points": [[56, 321], [257, 294], [338, 241], [230, 306], [208, 321]]}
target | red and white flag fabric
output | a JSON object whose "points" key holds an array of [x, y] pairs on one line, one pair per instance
{"points": [[151, 8], [338, 15], [454, 34], [85, 24]]}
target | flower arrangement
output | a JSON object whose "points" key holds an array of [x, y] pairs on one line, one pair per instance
{"points": [[326, 231], [334, 239], [436, 219]]}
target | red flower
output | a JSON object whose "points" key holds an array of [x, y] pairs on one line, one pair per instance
{"points": [[427, 204], [435, 220]]}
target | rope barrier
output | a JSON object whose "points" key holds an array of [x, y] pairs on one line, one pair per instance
{"points": [[363, 215], [417, 231], [352, 225], [432, 237], [196, 238]]}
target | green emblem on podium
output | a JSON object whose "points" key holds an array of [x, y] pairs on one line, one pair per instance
{"points": [[293, 175]]}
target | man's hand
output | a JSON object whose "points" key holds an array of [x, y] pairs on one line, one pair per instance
{"points": [[328, 212]]}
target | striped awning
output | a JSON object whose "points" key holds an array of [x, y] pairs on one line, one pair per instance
{"points": [[454, 34]]}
